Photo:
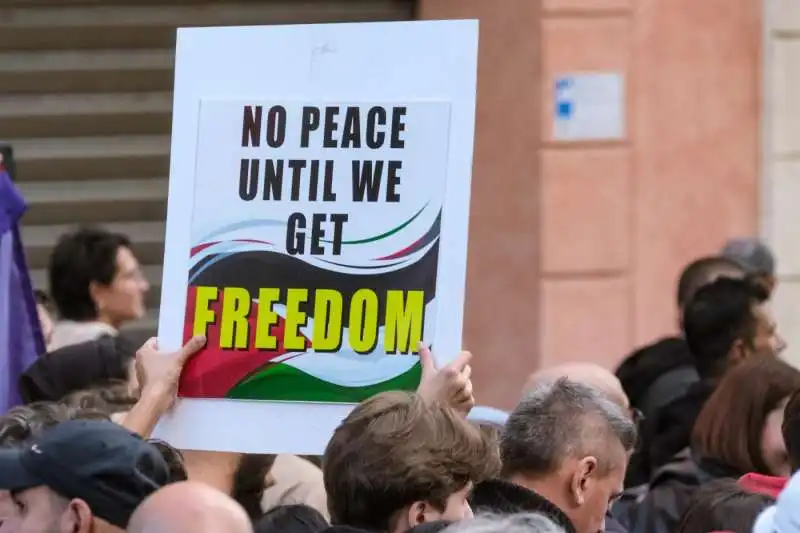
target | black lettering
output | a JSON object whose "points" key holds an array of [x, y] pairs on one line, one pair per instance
{"points": [[376, 116], [398, 125], [330, 126], [276, 126], [351, 137], [248, 179], [317, 233], [338, 220], [251, 126], [313, 181], [310, 123], [392, 181], [327, 183], [367, 179], [273, 179], [297, 166], [295, 239]]}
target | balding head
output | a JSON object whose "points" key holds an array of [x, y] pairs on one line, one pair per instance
{"points": [[588, 374], [189, 507]]}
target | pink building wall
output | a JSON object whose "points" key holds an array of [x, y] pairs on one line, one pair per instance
{"points": [[575, 247]]}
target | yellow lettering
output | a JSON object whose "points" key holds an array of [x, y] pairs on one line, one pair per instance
{"points": [[204, 316], [267, 318], [293, 341], [233, 330], [363, 328], [327, 320], [404, 317]]}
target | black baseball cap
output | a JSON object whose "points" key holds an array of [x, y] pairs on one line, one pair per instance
{"points": [[110, 468]]}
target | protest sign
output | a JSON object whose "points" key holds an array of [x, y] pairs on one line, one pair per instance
{"points": [[317, 222]]}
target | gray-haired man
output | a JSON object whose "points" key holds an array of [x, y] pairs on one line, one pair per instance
{"points": [[565, 449]]}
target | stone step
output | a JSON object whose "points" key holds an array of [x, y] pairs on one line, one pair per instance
{"points": [[69, 115], [95, 202], [39, 279], [91, 158], [121, 26], [70, 71], [147, 238]]}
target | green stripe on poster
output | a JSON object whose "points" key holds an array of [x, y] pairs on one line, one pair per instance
{"points": [[282, 382]]}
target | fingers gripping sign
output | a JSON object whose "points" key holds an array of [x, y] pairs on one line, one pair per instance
{"points": [[159, 372], [451, 384]]}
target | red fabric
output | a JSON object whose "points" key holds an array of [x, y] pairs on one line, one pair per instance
{"points": [[214, 371], [761, 484]]}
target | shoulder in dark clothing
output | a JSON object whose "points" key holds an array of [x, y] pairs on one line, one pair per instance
{"points": [[673, 425], [643, 367], [501, 497], [344, 529], [613, 525], [666, 433], [659, 506]]}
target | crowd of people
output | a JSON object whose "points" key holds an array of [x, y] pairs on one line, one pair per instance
{"points": [[696, 433]]}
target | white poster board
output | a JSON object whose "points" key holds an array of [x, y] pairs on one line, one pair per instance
{"points": [[316, 171]]}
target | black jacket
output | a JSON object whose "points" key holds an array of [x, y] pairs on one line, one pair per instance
{"points": [[658, 506], [646, 369], [501, 497], [658, 379]]}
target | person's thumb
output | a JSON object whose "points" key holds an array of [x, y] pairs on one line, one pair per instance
{"points": [[192, 346], [426, 360]]}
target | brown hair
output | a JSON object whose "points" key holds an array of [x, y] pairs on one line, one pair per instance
{"points": [[395, 449], [111, 398], [730, 425]]}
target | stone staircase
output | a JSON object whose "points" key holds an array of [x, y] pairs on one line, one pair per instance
{"points": [[85, 100]]}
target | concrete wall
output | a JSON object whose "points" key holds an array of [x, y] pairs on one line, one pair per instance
{"points": [[781, 222], [575, 247]]}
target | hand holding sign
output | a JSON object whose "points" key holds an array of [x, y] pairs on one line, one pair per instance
{"points": [[158, 372], [451, 384]]}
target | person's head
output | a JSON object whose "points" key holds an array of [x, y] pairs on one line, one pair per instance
{"points": [[81, 476], [722, 505], [76, 367], [189, 507], [790, 429], [570, 443], [590, 374], [291, 519], [19, 425], [703, 271], [95, 276], [755, 258], [513, 523], [725, 323], [173, 459], [740, 424], [397, 461]]}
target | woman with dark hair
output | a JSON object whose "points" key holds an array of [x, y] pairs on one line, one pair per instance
{"points": [[738, 431], [96, 283], [722, 505]]}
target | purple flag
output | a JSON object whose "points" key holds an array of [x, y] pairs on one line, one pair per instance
{"points": [[21, 338]]}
